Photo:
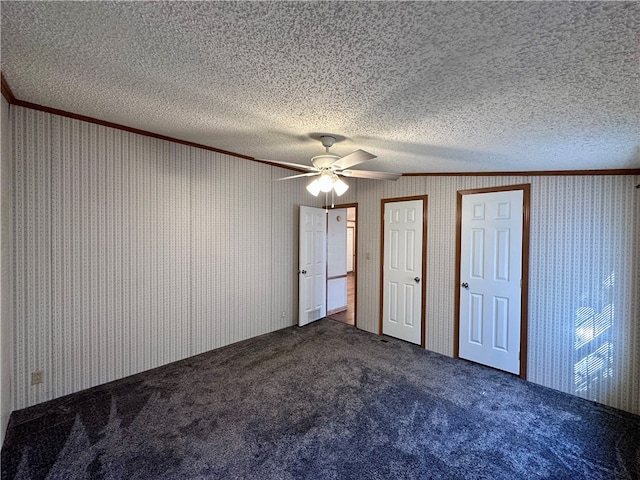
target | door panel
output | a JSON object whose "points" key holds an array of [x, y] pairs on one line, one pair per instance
{"points": [[393, 302], [409, 311], [402, 270], [477, 253], [501, 323], [491, 272], [312, 273], [475, 321], [502, 252]]}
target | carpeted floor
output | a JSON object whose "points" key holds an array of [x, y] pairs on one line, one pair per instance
{"points": [[321, 402]]}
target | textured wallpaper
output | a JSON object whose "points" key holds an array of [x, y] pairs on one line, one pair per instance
{"points": [[6, 266], [131, 252], [584, 276]]}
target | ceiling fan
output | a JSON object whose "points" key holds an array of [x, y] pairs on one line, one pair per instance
{"points": [[328, 167]]}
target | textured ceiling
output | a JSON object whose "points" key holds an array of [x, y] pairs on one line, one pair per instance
{"points": [[427, 87]]}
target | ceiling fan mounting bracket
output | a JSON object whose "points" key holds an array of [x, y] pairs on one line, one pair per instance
{"points": [[327, 141]]}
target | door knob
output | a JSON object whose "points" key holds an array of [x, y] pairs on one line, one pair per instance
{"points": [[417, 279], [304, 272], [465, 285]]}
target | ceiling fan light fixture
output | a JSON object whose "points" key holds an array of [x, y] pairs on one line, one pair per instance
{"points": [[325, 182], [340, 187], [314, 187]]}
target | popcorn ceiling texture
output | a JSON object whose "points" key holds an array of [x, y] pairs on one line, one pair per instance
{"points": [[428, 87]]}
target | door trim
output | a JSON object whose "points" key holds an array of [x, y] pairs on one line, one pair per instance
{"points": [[383, 202], [524, 292], [355, 260]]}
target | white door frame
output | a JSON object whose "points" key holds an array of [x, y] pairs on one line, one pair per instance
{"points": [[423, 283], [526, 190]]}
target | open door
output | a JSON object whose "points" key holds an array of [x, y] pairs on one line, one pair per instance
{"points": [[312, 271]]}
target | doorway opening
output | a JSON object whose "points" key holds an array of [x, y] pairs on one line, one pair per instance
{"points": [[342, 287]]}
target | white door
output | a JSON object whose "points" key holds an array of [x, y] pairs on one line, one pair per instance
{"points": [[490, 276], [402, 270], [312, 272]]}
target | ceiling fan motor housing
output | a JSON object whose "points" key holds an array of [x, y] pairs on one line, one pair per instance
{"points": [[324, 161]]}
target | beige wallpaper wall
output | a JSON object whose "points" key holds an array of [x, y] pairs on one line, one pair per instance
{"points": [[584, 300], [6, 266], [132, 252]]}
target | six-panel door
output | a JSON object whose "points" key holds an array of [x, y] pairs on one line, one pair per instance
{"points": [[402, 277], [312, 273], [490, 275]]}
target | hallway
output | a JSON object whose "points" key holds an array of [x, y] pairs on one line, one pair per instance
{"points": [[348, 316]]}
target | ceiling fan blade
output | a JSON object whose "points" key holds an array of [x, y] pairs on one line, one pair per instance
{"points": [[310, 174], [352, 159], [291, 165], [371, 175]]}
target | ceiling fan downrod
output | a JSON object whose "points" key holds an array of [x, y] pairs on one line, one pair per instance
{"points": [[327, 142]]}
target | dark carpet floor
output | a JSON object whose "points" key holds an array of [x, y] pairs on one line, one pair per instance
{"points": [[321, 402]]}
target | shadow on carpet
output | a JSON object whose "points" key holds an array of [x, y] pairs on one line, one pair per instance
{"points": [[321, 402]]}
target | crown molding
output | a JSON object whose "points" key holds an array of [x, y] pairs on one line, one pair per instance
{"points": [[6, 90], [10, 97], [531, 173]]}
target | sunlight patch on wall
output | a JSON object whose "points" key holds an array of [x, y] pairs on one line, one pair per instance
{"points": [[594, 338]]}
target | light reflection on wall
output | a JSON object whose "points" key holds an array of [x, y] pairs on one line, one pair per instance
{"points": [[593, 338]]}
